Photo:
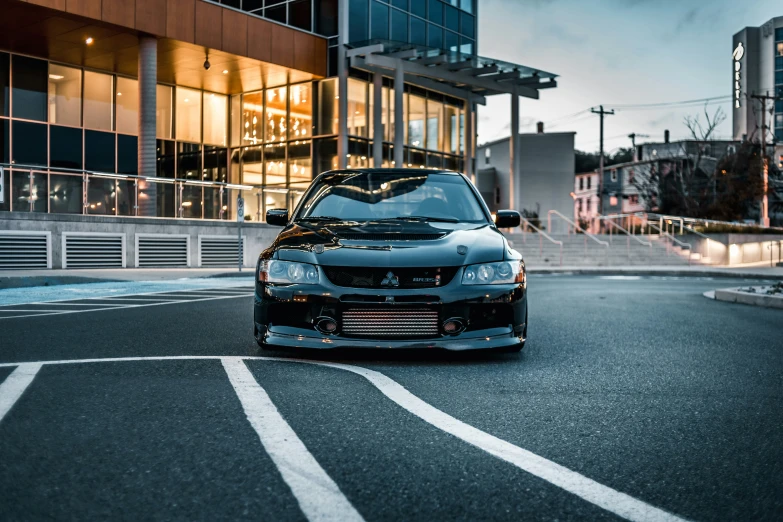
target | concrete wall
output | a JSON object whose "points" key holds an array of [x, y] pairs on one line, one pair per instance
{"points": [[546, 179], [258, 235], [737, 249]]}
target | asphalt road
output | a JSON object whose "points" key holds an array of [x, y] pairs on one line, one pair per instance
{"points": [[634, 398]]}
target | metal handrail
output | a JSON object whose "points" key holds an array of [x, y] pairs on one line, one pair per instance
{"points": [[683, 220], [576, 227], [675, 240], [623, 230], [541, 234], [111, 175]]}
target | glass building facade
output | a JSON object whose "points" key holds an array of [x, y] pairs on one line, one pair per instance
{"points": [[69, 141]]}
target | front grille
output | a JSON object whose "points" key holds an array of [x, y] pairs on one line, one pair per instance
{"points": [[390, 322], [389, 237], [370, 277]]}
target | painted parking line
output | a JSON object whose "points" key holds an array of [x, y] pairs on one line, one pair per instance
{"points": [[319, 497], [15, 384], [120, 305], [609, 499]]}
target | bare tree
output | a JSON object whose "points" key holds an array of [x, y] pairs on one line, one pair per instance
{"points": [[683, 181]]}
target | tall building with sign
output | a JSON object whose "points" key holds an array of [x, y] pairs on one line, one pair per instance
{"points": [[757, 85], [169, 109]]}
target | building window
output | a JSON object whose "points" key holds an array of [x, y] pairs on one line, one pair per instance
{"points": [[215, 119], [327, 105], [630, 176], [451, 130], [98, 96], [300, 121], [164, 111], [434, 127], [578, 206], [399, 26], [29, 89], [416, 114], [65, 95], [357, 108], [275, 162], [30, 145], [613, 201], [357, 23], [276, 122], [614, 175], [128, 106], [418, 31], [587, 201], [435, 14], [65, 147], [252, 122], [300, 14], [633, 199], [99, 150], [487, 155], [188, 111], [379, 28], [589, 182], [581, 183], [5, 83]]}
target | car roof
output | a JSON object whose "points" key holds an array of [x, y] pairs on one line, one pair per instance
{"points": [[391, 171]]}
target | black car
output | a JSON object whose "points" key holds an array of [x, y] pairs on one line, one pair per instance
{"points": [[391, 258]]}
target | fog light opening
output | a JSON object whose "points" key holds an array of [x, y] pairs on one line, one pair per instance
{"points": [[453, 326], [326, 325]]}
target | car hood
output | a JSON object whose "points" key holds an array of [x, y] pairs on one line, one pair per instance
{"points": [[374, 244]]}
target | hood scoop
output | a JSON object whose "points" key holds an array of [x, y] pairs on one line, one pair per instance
{"points": [[389, 236]]}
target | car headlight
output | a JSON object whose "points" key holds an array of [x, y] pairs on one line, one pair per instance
{"points": [[276, 271], [501, 273]]}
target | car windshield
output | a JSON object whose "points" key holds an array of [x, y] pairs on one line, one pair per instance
{"points": [[369, 196]]}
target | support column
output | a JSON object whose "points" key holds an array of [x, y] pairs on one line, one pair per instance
{"points": [[377, 119], [469, 136], [399, 118], [342, 83], [513, 154], [147, 158]]}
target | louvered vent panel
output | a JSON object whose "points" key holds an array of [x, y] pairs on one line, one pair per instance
{"points": [[20, 251], [93, 251], [219, 251], [162, 251]]}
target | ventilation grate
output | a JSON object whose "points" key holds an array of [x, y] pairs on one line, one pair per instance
{"points": [[161, 251], [93, 251], [218, 251], [23, 251]]}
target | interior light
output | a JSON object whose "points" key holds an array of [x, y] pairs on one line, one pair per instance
{"points": [[119, 94], [89, 40], [56, 76], [186, 203], [225, 71], [186, 100]]}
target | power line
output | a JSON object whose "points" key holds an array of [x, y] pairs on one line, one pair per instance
{"points": [[671, 104]]}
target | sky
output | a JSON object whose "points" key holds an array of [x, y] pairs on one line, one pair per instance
{"points": [[616, 52]]}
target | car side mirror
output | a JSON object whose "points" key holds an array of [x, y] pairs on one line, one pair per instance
{"points": [[507, 219], [277, 217]]}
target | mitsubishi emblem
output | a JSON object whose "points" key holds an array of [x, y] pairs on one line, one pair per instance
{"points": [[390, 280]]}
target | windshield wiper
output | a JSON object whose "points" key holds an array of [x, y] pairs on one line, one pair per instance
{"points": [[318, 219], [422, 218]]}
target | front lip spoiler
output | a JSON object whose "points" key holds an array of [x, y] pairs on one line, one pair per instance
{"points": [[500, 338]]}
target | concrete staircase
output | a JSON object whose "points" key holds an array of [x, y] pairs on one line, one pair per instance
{"points": [[581, 251]]}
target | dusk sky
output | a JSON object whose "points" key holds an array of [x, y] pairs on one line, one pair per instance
{"points": [[615, 52]]}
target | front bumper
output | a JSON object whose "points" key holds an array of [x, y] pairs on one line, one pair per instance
{"points": [[496, 315]]}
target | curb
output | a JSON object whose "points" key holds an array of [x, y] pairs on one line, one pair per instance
{"points": [[647, 272], [31, 281], [733, 295]]}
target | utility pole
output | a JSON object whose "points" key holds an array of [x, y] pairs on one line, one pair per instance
{"points": [[764, 219], [601, 112]]}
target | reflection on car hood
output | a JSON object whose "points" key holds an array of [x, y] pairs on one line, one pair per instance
{"points": [[389, 244]]}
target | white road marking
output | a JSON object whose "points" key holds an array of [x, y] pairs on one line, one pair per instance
{"points": [[124, 306], [15, 384], [602, 496], [319, 497]]}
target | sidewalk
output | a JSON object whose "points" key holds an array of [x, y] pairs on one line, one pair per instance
{"points": [[30, 278]]}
